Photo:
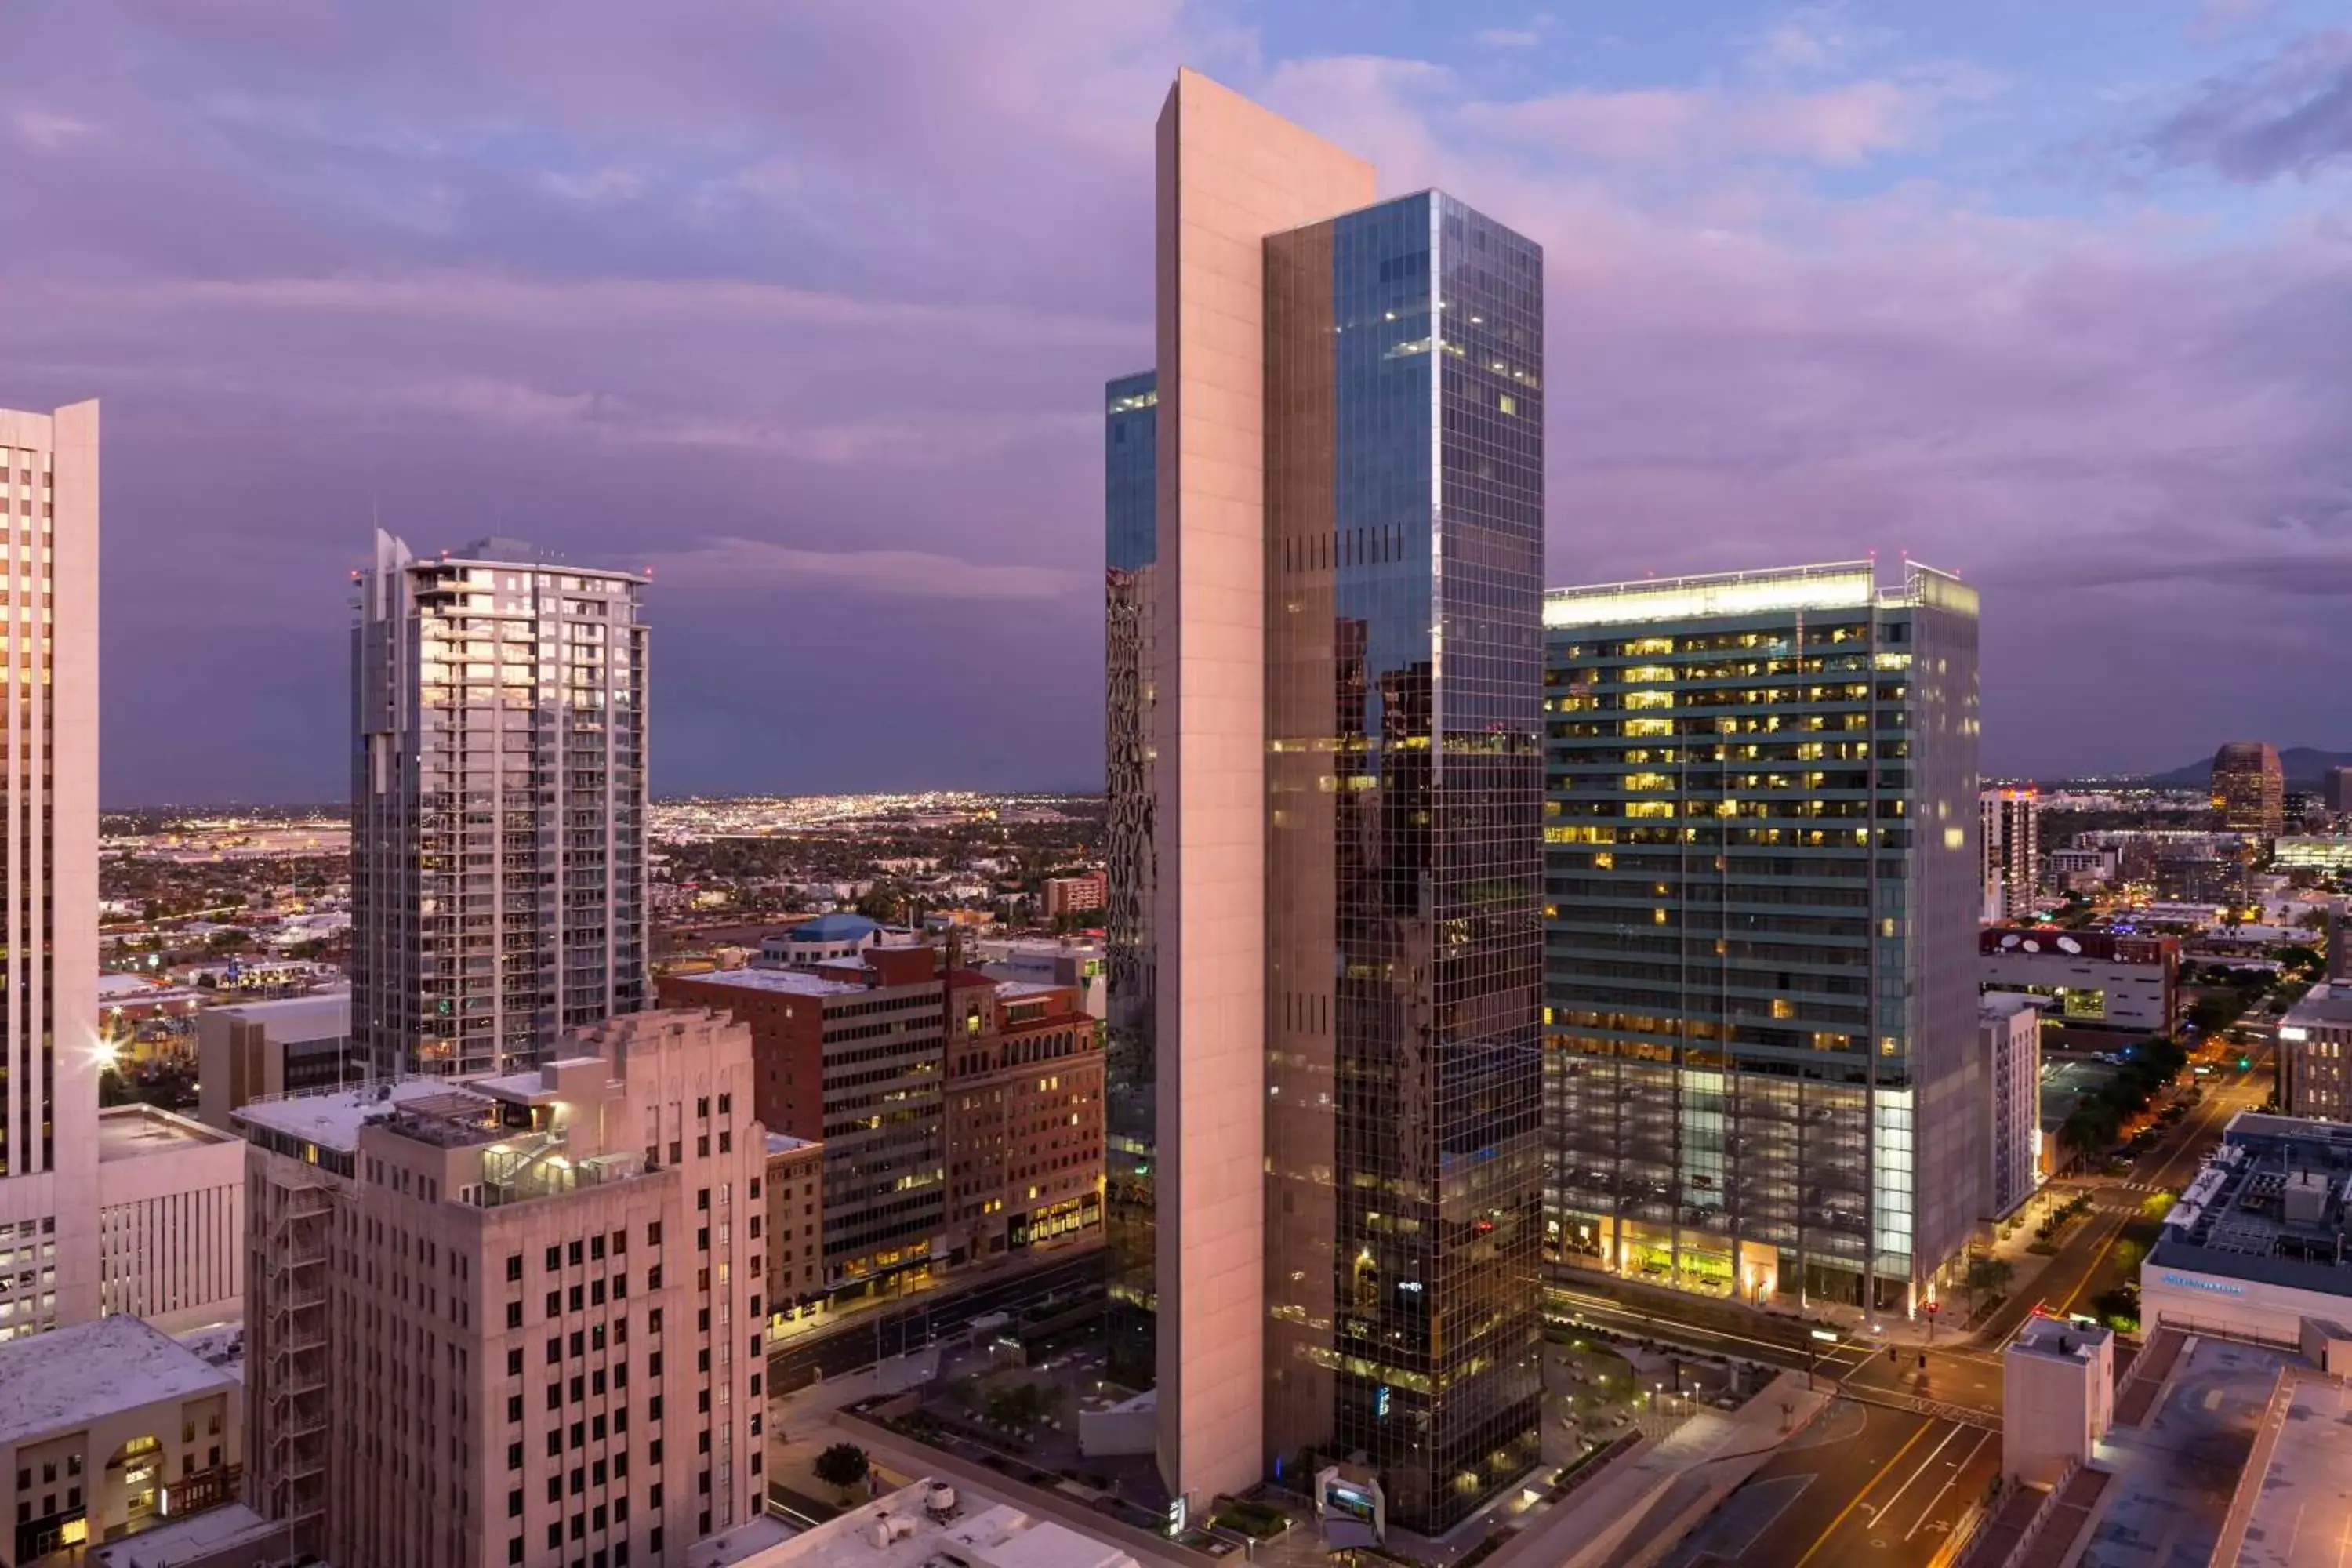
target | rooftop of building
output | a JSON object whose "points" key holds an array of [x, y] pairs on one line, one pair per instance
{"points": [[1995, 1005], [839, 926], [332, 1120], [929, 1522], [741, 1544], [783, 981], [2292, 1498], [2174, 1470], [2324, 1006], [785, 1143], [68, 1378], [135, 1132], [2270, 1206], [292, 1016], [2060, 1339], [197, 1538], [1841, 585]]}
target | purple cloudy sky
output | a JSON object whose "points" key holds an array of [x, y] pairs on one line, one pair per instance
{"points": [[808, 304]]}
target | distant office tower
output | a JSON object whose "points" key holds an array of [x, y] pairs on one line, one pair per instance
{"points": [[2013, 850], [1348, 529], [1131, 446], [513, 1318], [50, 1197], [2336, 790], [1762, 969], [497, 806], [2249, 788]]}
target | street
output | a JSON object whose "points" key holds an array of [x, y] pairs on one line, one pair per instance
{"points": [[890, 1331], [1896, 1463]]}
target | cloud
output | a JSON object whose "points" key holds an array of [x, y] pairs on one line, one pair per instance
{"points": [[1815, 40], [2216, 20], [2289, 114], [1838, 125], [738, 565]]}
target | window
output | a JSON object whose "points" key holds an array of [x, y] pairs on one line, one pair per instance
{"points": [[725, 1104], [702, 1239], [514, 1314], [554, 1303], [653, 1365], [514, 1550], [620, 1242], [514, 1362], [554, 1349], [554, 1258], [653, 1234], [514, 1407], [555, 1538], [555, 1489], [554, 1442], [580, 1340], [514, 1266], [702, 1146], [555, 1396], [702, 1199], [596, 1245], [514, 1456], [702, 1106]]}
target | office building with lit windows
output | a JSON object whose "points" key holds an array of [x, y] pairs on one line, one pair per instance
{"points": [[1130, 451], [49, 1048], [497, 806], [2249, 788], [1346, 700], [1762, 882], [2011, 836]]}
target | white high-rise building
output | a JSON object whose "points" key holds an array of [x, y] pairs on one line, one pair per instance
{"points": [[497, 806], [2013, 851], [49, 1044]]}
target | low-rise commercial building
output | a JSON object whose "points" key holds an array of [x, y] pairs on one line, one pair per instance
{"points": [[796, 1227], [108, 1428], [828, 939], [514, 1319], [1076, 895], [2009, 1034], [2095, 982], [171, 1219], [933, 1523], [853, 1054], [2313, 1040], [1025, 1119], [261, 1050], [2057, 1397], [2260, 1243]]}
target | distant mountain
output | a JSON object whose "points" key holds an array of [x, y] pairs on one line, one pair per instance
{"points": [[2304, 765]]}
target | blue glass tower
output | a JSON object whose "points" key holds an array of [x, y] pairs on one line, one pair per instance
{"points": [[1403, 630], [1131, 455]]}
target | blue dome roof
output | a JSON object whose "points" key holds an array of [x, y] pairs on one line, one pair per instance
{"points": [[837, 927]]}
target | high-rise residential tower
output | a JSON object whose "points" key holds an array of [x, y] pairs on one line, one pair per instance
{"points": [[1348, 529], [1130, 448], [497, 806], [49, 1062], [1761, 974], [2010, 824], [2249, 788]]}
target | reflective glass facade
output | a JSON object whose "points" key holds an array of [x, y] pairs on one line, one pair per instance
{"points": [[1130, 448], [1761, 888], [1404, 536]]}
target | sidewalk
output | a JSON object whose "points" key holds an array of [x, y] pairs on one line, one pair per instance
{"points": [[1650, 1498]]}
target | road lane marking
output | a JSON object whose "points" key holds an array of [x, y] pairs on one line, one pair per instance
{"points": [[1822, 1540], [1959, 1470], [1888, 1506]]}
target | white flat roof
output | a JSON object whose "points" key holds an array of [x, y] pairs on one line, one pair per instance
{"points": [[898, 1530], [68, 1378], [289, 1018], [784, 1142], [333, 1120], [191, 1539], [134, 1131], [794, 981]]}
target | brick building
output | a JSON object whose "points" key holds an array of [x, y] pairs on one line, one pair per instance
{"points": [[1024, 1123]]}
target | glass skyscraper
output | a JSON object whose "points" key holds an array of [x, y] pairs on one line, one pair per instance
{"points": [[1343, 687], [497, 806], [1762, 883], [1130, 447], [1404, 526]]}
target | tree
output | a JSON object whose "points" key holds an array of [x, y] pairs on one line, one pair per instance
{"points": [[843, 1467], [1990, 1275]]}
